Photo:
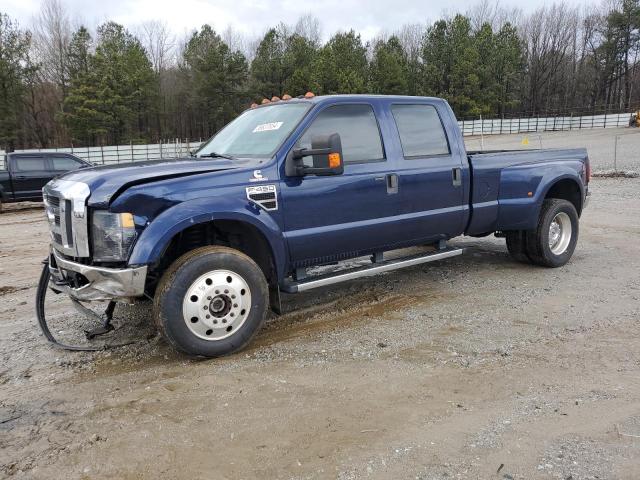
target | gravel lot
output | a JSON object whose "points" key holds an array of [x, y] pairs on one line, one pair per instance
{"points": [[473, 367]]}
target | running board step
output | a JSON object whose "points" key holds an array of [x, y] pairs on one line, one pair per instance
{"points": [[368, 270]]}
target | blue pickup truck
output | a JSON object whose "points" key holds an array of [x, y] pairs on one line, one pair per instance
{"points": [[214, 239]]}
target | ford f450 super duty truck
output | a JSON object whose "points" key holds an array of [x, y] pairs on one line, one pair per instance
{"points": [[289, 185]]}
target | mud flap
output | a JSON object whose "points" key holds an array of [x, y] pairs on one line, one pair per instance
{"points": [[274, 299]]}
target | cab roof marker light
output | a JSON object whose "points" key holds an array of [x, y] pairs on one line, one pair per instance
{"points": [[265, 101], [286, 96], [275, 98], [309, 95]]}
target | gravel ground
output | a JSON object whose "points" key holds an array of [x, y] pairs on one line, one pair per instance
{"points": [[473, 367]]}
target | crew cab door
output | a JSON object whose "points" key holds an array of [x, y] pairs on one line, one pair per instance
{"points": [[61, 163], [431, 170], [327, 218], [29, 174]]}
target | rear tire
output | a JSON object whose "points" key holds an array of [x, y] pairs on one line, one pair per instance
{"points": [[211, 302], [553, 241]]}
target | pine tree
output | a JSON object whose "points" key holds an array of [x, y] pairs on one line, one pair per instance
{"points": [[389, 70]]}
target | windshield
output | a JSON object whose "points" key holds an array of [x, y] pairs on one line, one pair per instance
{"points": [[256, 133]]}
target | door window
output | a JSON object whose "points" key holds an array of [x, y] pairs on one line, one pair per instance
{"points": [[421, 131], [30, 164], [358, 130], [64, 164]]}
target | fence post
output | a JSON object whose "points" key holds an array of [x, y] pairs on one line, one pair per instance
{"points": [[102, 152], [133, 159]]}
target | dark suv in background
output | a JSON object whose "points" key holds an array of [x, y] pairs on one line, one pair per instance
{"points": [[26, 173]]}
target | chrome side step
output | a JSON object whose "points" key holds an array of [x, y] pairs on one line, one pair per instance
{"points": [[368, 270]]}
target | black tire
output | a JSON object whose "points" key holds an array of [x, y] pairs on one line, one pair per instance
{"points": [[537, 241], [517, 245], [175, 285]]}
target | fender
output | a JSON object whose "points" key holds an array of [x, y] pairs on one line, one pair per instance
{"points": [[156, 236], [518, 211]]}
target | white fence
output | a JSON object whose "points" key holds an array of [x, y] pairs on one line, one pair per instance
{"points": [[498, 126], [495, 126], [108, 155]]}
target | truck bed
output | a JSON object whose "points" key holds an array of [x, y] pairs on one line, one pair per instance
{"points": [[505, 184]]}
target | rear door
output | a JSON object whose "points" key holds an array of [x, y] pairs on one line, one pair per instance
{"points": [[60, 164], [327, 218], [29, 173], [431, 197]]}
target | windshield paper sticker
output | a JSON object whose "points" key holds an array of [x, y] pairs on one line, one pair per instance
{"points": [[266, 127]]}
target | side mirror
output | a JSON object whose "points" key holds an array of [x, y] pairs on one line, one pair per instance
{"points": [[326, 151]]}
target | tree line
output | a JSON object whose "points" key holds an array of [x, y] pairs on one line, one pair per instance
{"points": [[62, 84]]}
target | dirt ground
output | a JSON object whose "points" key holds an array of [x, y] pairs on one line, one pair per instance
{"points": [[474, 367]]}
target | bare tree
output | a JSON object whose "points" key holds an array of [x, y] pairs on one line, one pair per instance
{"points": [[308, 26], [548, 36], [51, 37], [237, 41], [159, 42], [493, 13]]}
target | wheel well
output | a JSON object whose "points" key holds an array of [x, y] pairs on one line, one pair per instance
{"points": [[569, 190], [230, 233]]}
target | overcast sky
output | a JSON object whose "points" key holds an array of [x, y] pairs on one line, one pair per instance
{"points": [[253, 17]]}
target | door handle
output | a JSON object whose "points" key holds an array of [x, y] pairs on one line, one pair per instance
{"points": [[456, 176], [20, 177], [392, 183]]}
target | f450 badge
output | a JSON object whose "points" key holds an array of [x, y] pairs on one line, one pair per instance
{"points": [[265, 196]]}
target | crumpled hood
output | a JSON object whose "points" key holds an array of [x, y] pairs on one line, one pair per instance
{"points": [[108, 181]]}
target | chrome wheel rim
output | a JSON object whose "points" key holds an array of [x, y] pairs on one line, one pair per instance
{"points": [[216, 305], [560, 231]]}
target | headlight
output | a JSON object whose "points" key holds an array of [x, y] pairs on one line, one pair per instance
{"points": [[113, 236]]}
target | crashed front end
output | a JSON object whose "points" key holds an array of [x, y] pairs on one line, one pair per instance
{"points": [[73, 250]]}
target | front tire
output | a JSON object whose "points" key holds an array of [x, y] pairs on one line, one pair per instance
{"points": [[211, 302]]}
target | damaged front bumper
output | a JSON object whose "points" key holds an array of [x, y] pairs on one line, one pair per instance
{"points": [[88, 283]]}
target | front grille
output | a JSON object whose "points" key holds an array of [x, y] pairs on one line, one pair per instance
{"points": [[51, 200], [67, 215]]}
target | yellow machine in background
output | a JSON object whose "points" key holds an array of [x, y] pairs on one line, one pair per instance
{"points": [[634, 121]]}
